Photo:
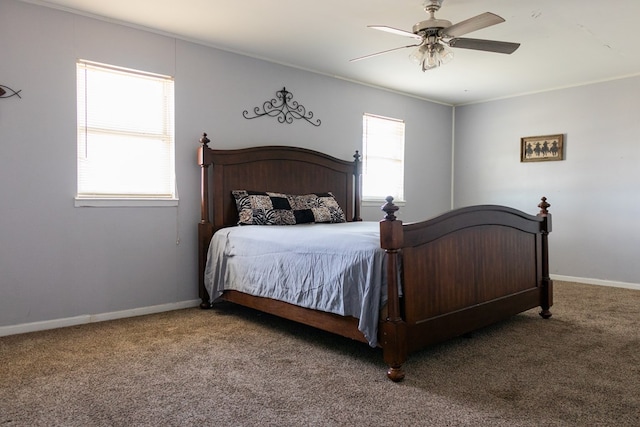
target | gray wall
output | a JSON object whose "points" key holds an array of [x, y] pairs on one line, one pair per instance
{"points": [[594, 193], [62, 262]]}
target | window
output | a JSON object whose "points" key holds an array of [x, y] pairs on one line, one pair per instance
{"points": [[383, 158], [125, 134]]}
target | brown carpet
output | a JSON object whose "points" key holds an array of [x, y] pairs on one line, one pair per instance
{"points": [[235, 367]]}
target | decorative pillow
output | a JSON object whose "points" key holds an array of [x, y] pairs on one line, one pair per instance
{"points": [[265, 208]]}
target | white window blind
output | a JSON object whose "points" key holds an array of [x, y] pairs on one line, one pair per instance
{"points": [[125, 133], [383, 158]]}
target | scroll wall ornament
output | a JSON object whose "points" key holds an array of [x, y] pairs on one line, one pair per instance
{"points": [[3, 92], [284, 109]]}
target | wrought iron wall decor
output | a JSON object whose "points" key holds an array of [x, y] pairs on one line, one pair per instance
{"points": [[3, 92], [284, 109]]}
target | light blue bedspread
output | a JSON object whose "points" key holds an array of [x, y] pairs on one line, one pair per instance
{"points": [[337, 268]]}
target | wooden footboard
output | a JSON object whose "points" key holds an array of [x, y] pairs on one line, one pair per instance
{"points": [[464, 270]]}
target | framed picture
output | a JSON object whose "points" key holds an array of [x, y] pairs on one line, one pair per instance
{"points": [[542, 148]]}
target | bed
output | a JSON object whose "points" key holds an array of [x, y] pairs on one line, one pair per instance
{"points": [[443, 277]]}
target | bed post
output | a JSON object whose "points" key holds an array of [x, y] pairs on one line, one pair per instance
{"points": [[205, 229], [546, 296], [358, 186], [393, 328]]}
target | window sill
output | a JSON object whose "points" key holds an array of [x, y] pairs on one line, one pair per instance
{"points": [[122, 203], [380, 202]]}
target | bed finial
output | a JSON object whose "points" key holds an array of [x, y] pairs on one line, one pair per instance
{"points": [[204, 140], [390, 209], [543, 205]]}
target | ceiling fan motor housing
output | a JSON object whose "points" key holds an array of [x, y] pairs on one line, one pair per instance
{"points": [[431, 26]]}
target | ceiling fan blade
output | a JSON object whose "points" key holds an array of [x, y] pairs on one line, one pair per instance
{"points": [[395, 31], [383, 52], [486, 45], [478, 22]]}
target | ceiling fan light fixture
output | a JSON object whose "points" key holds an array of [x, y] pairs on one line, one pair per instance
{"points": [[418, 54], [431, 60], [430, 56], [446, 53]]}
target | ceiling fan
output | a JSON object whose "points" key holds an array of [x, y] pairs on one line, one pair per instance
{"points": [[434, 37]]}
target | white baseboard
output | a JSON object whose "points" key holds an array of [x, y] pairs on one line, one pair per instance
{"points": [[91, 318], [596, 282]]}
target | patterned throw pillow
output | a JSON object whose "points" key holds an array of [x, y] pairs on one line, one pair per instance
{"points": [[265, 208]]}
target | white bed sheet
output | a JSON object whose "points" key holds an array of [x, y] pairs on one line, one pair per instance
{"points": [[338, 268]]}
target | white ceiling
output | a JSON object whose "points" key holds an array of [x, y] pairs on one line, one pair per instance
{"points": [[563, 42]]}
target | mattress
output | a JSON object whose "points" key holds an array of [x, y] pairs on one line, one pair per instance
{"points": [[337, 268]]}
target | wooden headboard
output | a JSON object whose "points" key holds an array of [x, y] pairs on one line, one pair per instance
{"points": [[284, 169]]}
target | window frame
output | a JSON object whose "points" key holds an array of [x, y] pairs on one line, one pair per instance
{"points": [[369, 200], [164, 134]]}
